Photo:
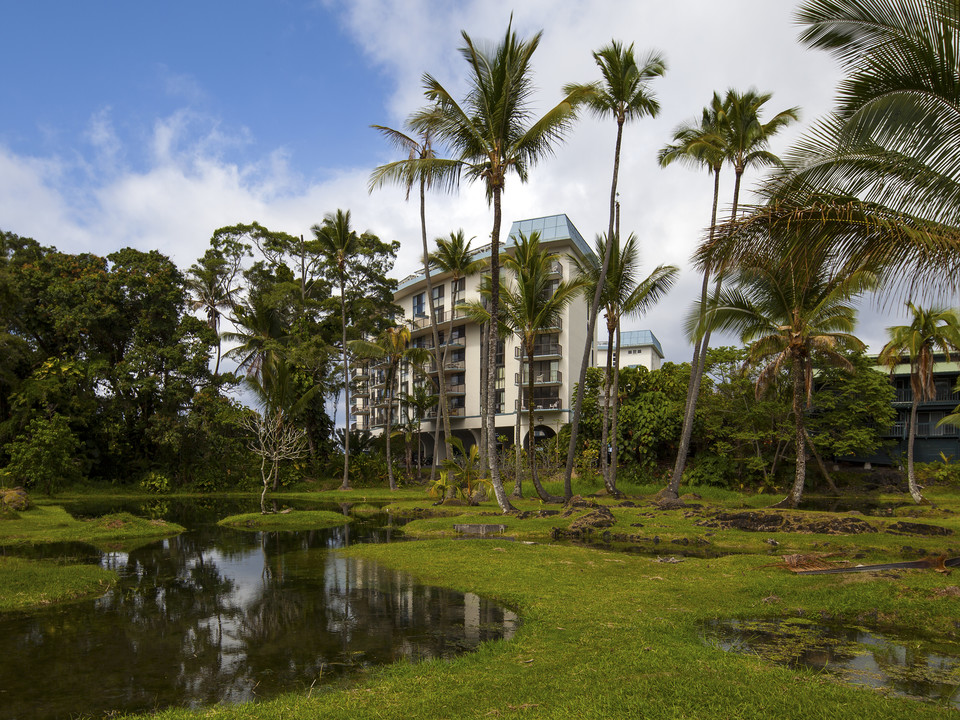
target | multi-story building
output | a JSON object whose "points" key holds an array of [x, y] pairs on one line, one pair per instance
{"points": [[637, 348], [556, 360]]}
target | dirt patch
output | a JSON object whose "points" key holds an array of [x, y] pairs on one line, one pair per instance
{"points": [[585, 526], [114, 524], [750, 521], [527, 514], [578, 503], [948, 591], [909, 528]]}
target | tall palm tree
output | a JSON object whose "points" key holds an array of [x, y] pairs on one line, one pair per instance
{"points": [[420, 168], [698, 144], [454, 256], [742, 140], [491, 134], [210, 282], [624, 93], [391, 348], [261, 333], [623, 294], [531, 306], [931, 331], [789, 309], [339, 242], [883, 170]]}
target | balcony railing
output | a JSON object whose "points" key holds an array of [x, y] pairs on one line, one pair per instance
{"points": [[539, 378], [359, 410], [905, 395], [431, 414], [422, 320], [539, 404], [556, 268], [450, 365], [547, 350], [924, 429]]}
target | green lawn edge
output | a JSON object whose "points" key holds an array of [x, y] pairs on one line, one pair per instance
{"points": [[292, 520], [28, 584], [52, 523]]}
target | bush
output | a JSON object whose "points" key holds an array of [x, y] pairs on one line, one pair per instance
{"points": [[45, 456], [944, 472], [155, 483]]}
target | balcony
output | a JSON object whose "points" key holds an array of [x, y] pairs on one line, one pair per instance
{"points": [[359, 410], [431, 414], [548, 350], [539, 404], [422, 321], [540, 378], [450, 366], [905, 395], [556, 268], [459, 389]]}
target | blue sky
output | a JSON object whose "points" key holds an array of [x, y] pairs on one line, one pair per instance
{"points": [[153, 124]]}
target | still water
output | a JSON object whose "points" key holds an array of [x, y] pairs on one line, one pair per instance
{"points": [[219, 615]]}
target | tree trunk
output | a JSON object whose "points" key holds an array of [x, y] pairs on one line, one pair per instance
{"points": [[592, 323], [911, 475], [823, 468], [696, 366], [796, 492], [345, 485], [517, 487], [605, 409], [442, 406], [502, 500], [531, 440], [484, 398], [389, 424], [615, 423]]}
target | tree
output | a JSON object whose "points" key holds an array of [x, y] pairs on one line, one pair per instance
{"points": [[624, 93], [883, 170], [491, 134], [788, 311], [730, 131], [420, 168], [391, 349], [623, 294], [532, 306], [931, 331], [454, 256], [273, 441], [339, 242]]}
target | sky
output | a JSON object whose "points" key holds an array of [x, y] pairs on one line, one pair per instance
{"points": [[150, 125]]}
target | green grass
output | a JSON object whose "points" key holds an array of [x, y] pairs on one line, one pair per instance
{"points": [[30, 583], [293, 520], [51, 523]]}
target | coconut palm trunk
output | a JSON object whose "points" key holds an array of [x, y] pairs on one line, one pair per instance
{"points": [[345, 485], [911, 437], [531, 438], [517, 445], [605, 412]]}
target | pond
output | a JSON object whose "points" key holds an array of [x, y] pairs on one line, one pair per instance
{"points": [[898, 664], [220, 615]]}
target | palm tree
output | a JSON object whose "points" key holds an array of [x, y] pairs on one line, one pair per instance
{"points": [[790, 309], [419, 401], [211, 284], [422, 169], [731, 131], [491, 134], [531, 306], [339, 242], [624, 93], [391, 349], [623, 294], [883, 170], [261, 333], [931, 331], [700, 145], [455, 257]]}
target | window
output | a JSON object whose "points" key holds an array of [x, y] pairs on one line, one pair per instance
{"points": [[418, 305], [458, 287]]}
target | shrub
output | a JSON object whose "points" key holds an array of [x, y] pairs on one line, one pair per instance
{"points": [[45, 456], [155, 483]]}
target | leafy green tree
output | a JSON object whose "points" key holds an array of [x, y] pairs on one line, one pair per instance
{"points": [[44, 457], [624, 93], [788, 312], [931, 331], [491, 134]]}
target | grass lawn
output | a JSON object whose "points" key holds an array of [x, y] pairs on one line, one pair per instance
{"points": [[31, 583], [51, 523], [615, 635], [292, 520]]}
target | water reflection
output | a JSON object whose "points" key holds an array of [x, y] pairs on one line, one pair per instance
{"points": [[904, 666], [218, 615]]}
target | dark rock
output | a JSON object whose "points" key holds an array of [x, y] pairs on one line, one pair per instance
{"points": [[14, 499], [909, 528], [752, 521]]}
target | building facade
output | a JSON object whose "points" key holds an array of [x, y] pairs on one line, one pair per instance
{"points": [[556, 361], [637, 348]]}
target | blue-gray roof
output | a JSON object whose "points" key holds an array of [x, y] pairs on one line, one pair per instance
{"points": [[634, 338], [550, 227]]}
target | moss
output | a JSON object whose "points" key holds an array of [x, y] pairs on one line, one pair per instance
{"points": [[292, 520]]}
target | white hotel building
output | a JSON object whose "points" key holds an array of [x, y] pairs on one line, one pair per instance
{"points": [[556, 361]]}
